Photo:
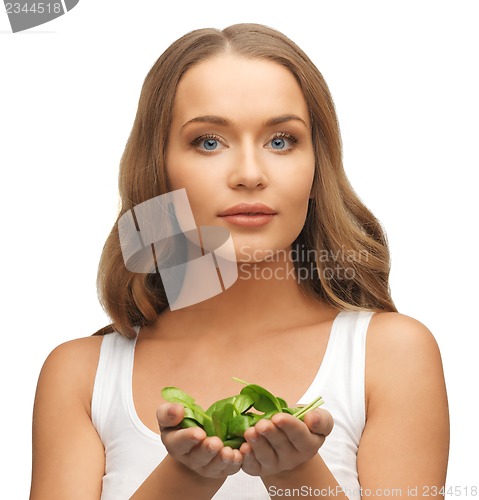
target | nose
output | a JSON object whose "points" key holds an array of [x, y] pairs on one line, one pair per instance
{"points": [[248, 172]]}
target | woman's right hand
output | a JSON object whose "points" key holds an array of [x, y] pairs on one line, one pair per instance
{"points": [[207, 456]]}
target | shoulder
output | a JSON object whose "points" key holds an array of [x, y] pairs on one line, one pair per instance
{"points": [[71, 368], [84, 346], [397, 336], [401, 353], [75, 355], [392, 327]]}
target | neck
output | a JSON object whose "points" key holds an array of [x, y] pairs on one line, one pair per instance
{"points": [[266, 296]]}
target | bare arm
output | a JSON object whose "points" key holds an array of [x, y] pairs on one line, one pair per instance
{"points": [[406, 439], [68, 456]]}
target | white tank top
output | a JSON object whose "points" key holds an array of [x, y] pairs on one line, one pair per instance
{"points": [[133, 451]]}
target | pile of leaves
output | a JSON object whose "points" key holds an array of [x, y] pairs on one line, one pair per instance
{"points": [[230, 417]]}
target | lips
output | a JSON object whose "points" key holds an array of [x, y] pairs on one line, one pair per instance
{"points": [[248, 209], [248, 214]]}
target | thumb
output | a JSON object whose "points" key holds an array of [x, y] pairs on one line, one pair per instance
{"points": [[170, 415], [319, 421]]}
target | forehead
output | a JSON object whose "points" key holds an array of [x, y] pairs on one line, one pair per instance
{"points": [[238, 88]]}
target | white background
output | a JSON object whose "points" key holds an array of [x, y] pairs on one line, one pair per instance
{"points": [[404, 78]]}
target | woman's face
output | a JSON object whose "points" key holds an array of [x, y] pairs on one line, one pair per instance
{"points": [[240, 144]]}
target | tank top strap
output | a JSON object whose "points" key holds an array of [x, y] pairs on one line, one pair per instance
{"points": [[350, 355], [340, 378], [112, 378]]}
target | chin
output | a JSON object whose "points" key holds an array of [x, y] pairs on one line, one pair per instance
{"points": [[248, 252]]}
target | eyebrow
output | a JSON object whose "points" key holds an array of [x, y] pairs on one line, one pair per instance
{"points": [[224, 122]]}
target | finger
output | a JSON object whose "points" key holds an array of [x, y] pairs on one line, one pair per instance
{"points": [[245, 449], [250, 465], [237, 458], [226, 462], [182, 441], [262, 450], [299, 435], [204, 454], [213, 459], [319, 421], [169, 415], [276, 438], [231, 459]]}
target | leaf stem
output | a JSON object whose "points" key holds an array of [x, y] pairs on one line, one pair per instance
{"points": [[312, 406], [240, 381], [202, 413]]}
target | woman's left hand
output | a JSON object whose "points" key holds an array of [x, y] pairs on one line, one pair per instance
{"points": [[284, 442]]}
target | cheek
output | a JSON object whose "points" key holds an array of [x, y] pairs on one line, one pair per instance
{"points": [[298, 190], [302, 193], [183, 175], [298, 193], [178, 169], [199, 190], [176, 175], [186, 171]]}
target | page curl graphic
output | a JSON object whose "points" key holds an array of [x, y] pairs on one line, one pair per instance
{"points": [[160, 236], [26, 14]]}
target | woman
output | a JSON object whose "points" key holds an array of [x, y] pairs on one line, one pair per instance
{"points": [[243, 121]]}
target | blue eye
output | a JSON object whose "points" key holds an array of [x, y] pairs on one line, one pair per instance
{"points": [[207, 144], [278, 143], [210, 144], [283, 142]]}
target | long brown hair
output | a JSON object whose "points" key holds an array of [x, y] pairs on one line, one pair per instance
{"points": [[338, 226]]}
